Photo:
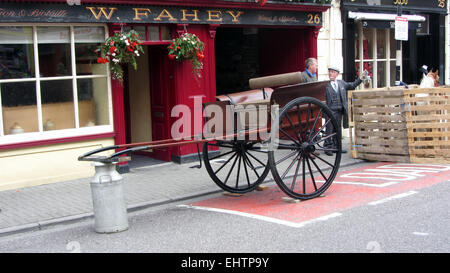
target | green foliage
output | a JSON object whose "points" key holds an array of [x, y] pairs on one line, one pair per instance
{"points": [[188, 47], [120, 49]]}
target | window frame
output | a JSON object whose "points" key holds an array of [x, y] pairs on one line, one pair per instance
{"points": [[76, 133], [375, 60]]}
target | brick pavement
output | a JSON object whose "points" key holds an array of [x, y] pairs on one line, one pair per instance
{"points": [[33, 208]]}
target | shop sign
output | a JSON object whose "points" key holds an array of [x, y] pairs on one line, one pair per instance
{"points": [[153, 14], [432, 5], [401, 28], [381, 24]]}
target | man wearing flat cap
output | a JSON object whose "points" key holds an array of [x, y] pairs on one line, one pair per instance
{"points": [[336, 99]]}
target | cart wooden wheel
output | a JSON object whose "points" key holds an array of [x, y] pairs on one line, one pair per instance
{"points": [[239, 167], [299, 164]]}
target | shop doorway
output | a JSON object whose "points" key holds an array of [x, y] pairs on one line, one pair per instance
{"points": [[245, 53], [147, 107]]}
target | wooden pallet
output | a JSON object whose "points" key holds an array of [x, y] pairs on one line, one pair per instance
{"points": [[428, 124], [377, 125]]}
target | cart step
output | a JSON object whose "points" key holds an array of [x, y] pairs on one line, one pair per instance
{"points": [[289, 200], [232, 194], [261, 188]]}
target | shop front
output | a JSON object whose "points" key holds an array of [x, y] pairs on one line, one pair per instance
{"points": [[369, 39], [58, 102]]}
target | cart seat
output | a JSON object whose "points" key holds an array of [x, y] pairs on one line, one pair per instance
{"points": [[246, 96]]}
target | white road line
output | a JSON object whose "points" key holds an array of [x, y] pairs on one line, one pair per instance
{"points": [[398, 196], [362, 184], [421, 233], [152, 166], [265, 218]]}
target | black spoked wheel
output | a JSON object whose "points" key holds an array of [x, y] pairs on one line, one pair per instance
{"points": [[239, 166], [304, 164]]}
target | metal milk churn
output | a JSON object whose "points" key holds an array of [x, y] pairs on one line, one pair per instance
{"points": [[110, 212]]}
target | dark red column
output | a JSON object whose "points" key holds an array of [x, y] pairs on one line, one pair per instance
{"points": [[312, 42], [187, 87], [118, 107]]}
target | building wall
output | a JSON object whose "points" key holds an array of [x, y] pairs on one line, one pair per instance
{"points": [[329, 44], [47, 164], [139, 93], [31, 166], [447, 46], [329, 41]]}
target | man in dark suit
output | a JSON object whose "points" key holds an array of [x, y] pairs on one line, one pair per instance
{"points": [[336, 99]]}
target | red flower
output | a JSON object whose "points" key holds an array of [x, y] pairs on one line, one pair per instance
{"points": [[200, 56], [171, 57], [112, 49], [102, 60], [262, 2]]}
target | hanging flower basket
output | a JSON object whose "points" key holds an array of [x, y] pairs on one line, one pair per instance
{"points": [[188, 47], [120, 49]]}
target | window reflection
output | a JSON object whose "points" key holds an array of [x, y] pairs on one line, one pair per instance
{"points": [[165, 33], [393, 44], [393, 72], [19, 107], [57, 105], [92, 106], [16, 53], [357, 45], [381, 74], [54, 51], [87, 40], [367, 43], [381, 43]]}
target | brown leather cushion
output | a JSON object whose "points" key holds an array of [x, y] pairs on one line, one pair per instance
{"points": [[245, 96]]}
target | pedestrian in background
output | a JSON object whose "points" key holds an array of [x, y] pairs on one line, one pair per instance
{"points": [[336, 100], [310, 73]]}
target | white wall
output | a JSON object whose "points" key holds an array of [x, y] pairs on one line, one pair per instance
{"points": [[329, 44], [447, 46], [47, 164]]}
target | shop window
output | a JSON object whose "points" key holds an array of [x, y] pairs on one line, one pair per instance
{"points": [[16, 52], [368, 43], [151, 33], [51, 84], [57, 105], [87, 39], [54, 51], [19, 107], [93, 109], [375, 51]]}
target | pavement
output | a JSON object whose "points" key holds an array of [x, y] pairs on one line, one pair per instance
{"points": [[38, 207]]}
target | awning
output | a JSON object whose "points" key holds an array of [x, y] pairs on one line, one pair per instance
{"points": [[360, 16], [386, 20]]}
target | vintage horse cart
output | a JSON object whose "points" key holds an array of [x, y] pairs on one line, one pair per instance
{"points": [[239, 163]]}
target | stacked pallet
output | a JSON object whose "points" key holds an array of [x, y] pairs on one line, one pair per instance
{"points": [[400, 125], [378, 125], [428, 124]]}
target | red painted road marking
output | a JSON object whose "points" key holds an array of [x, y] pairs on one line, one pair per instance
{"points": [[403, 179]]}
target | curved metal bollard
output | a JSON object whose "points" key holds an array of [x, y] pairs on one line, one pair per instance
{"points": [[110, 212]]}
